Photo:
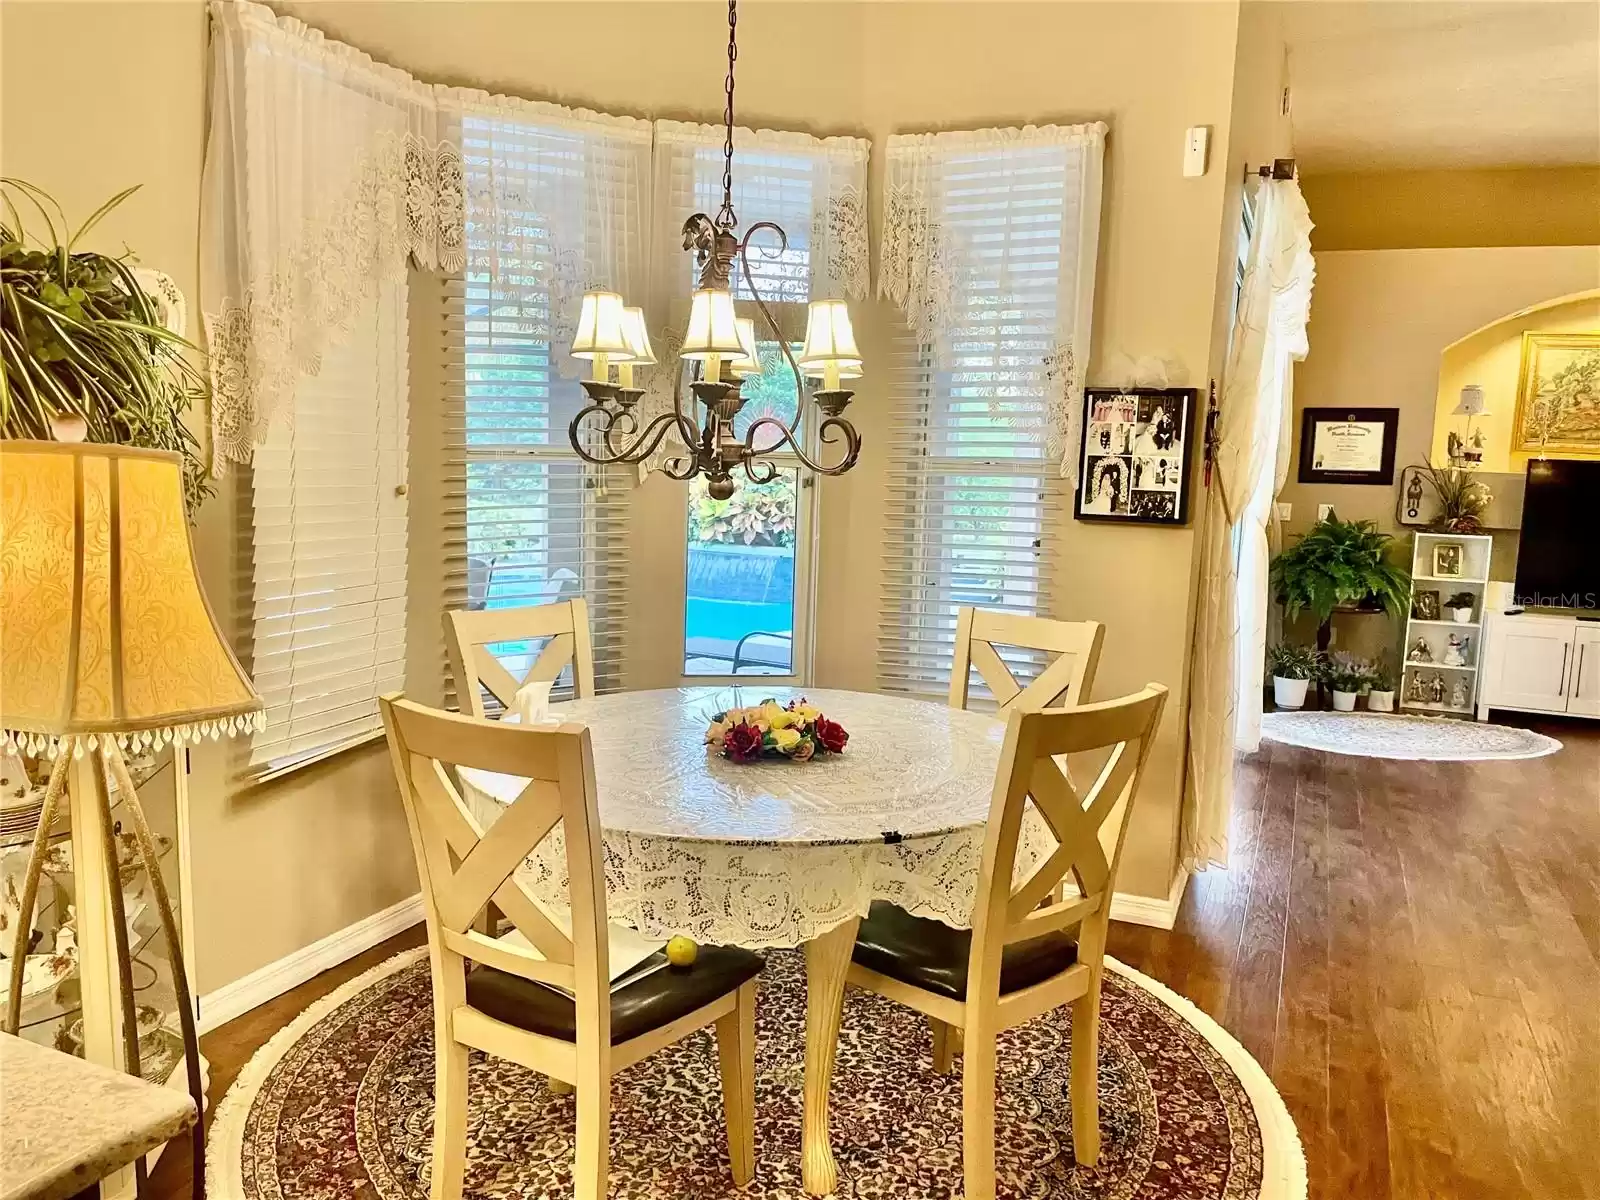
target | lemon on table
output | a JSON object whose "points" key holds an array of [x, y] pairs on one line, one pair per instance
{"points": [[681, 951]]}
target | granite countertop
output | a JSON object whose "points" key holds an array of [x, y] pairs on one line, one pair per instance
{"points": [[66, 1123]]}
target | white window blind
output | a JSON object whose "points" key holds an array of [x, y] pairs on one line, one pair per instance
{"points": [[975, 497], [555, 204], [329, 529]]}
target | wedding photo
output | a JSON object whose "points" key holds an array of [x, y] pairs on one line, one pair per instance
{"points": [[1136, 444]]}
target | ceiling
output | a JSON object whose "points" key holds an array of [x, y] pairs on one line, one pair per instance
{"points": [[1383, 85]]}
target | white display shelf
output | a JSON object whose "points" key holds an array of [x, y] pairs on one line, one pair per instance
{"points": [[1476, 550]]}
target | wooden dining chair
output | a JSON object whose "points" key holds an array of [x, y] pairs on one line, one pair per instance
{"points": [[1069, 679], [469, 634], [1022, 956], [546, 1000]]}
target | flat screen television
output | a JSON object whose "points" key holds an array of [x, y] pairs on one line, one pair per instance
{"points": [[1558, 559]]}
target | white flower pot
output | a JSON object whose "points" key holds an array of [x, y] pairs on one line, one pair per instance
{"points": [[1289, 693], [1380, 701], [1461, 616], [1344, 701]]}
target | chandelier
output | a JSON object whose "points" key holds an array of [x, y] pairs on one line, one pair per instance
{"points": [[610, 334]]}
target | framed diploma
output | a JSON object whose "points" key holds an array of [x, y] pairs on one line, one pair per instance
{"points": [[1348, 445]]}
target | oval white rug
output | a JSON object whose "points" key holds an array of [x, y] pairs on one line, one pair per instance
{"points": [[1380, 735]]}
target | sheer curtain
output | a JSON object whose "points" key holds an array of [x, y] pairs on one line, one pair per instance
{"points": [[991, 216], [1251, 464], [323, 173]]}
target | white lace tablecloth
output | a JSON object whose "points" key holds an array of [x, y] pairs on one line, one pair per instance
{"points": [[776, 853]]}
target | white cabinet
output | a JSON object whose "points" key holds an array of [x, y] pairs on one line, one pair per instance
{"points": [[1583, 696], [1540, 663]]}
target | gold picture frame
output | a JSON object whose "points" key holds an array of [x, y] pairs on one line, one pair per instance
{"points": [[1558, 394]]}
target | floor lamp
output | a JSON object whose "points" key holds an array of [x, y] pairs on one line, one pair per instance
{"points": [[107, 644]]}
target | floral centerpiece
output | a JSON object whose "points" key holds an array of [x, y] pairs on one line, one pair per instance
{"points": [[795, 731]]}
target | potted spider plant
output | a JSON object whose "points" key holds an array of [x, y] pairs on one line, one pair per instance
{"points": [[83, 350], [1293, 668]]}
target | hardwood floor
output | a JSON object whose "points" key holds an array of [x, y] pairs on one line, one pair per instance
{"points": [[1411, 951]]}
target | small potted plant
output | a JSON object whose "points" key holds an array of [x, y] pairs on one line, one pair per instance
{"points": [[1460, 606], [1381, 696], [1346, 675], [1293, 669]]}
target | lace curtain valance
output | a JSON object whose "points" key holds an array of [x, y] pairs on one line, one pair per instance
{"points": [[324, 171], [327, 171], [951, 259]]}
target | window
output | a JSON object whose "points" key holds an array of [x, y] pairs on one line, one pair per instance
{"points": [[748, 559], [329, 524], [535, 524], [974, 494]]}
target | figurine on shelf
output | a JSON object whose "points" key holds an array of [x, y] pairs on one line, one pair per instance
{"points": [[1421, 652], [1458, 694], [1455, 652], [1436, 690], [1417, 690]]}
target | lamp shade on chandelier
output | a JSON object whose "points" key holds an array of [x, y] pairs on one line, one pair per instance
{"points": [[717, 341]]}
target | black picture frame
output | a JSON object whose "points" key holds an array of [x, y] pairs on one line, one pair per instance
{"points": [[1136, 455], [1311, 418]]}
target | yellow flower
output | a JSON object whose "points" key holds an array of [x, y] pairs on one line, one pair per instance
{"points": [[782, 719], [773, 714], [807, 712], [715, 733], [785, 739]]}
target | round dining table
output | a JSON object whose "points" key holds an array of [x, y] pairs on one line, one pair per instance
{"points": [[777, 853]]}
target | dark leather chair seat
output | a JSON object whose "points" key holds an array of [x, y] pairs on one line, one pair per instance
{"points": [[653, 1000], [930, 955]]}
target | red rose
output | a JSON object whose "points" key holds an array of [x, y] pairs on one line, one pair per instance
{"points": [[742, 742], [830, 735]]}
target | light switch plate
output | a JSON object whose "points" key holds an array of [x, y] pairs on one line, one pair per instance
{"points": [[1324, 511], [1285, 511], [1196, 150]]}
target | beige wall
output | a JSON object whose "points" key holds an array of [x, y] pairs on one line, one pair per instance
{"points": [[281, 865], [1380, 319], [1492, 358], [1552, 206]]}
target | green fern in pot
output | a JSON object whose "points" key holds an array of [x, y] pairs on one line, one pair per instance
{"points": [[1339, 564], [81, 341]]}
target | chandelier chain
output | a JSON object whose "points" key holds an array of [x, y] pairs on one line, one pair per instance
{"points": [[726, 218]]}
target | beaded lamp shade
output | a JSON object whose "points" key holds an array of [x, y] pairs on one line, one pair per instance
{"points": [[104, 629]]}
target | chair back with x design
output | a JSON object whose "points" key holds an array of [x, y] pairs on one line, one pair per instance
{"points": [[464, 866], [1068, 679], [1032, 768], [470, 634]]}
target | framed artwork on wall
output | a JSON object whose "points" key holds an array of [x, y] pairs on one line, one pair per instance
{"points": [[1134, 461], [1348, 445], [1558, 394]]}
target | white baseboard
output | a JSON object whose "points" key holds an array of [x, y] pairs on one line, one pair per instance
{"points": [[239, 997], [1146, 910]]}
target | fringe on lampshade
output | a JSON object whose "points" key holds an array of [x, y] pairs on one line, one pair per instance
{"points": [[48, 745]]}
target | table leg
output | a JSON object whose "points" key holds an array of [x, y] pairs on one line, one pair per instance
{"points": [[827, 960]]}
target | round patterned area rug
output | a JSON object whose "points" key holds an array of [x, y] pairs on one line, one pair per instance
{"points": [[340, 1104], [1378, 735]]}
